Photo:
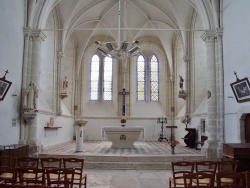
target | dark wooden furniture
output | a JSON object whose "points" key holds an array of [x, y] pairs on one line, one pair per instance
{"points": [[190, 137], [171, 131], [14, 150], [238, 151], [200, 142]]}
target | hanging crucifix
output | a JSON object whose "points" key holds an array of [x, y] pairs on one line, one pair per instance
{"points": [[123, 93]]}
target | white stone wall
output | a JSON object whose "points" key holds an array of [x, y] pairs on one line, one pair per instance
{"points": [[11, 58], [236, 56], [48, 65]]}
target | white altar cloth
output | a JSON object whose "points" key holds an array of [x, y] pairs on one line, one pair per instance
{"points": [[122, 137]]}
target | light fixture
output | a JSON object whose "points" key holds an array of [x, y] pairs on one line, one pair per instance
{"points": [[118, 49]]}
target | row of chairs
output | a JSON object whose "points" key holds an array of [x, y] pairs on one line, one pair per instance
{"points": [[207, 174], [34, 170]]}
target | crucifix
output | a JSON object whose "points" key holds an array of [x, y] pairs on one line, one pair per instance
{"points": [[123, 93], [6, 72]]}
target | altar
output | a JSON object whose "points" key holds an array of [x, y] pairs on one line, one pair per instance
{"points": [[122, 137]]}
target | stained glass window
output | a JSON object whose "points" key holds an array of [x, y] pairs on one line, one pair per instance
{"points": [[94, 80], [154, 79], [101, 78], [107, 79], [141, 82], [147, 75]]}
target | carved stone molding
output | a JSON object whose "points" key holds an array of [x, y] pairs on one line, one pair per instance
{"points": [[29, 116]]}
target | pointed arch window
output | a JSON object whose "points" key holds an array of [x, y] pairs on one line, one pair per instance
{"points": [[141, 78], [154, 79], [147, 78], [101, 79]]}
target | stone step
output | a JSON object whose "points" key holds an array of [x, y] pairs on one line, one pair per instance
{"points": [[130, 162]]}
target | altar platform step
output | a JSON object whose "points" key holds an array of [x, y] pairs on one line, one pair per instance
{"points": [[145, 155]]}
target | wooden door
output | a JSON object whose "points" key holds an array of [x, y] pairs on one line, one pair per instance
{"points": [[247, 128]]}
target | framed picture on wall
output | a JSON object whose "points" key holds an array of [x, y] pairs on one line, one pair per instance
{"points": [[241, 89], [4, 87]]}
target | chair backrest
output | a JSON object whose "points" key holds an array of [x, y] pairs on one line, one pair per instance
{"points": [[247, 177], [7, 161], [224, 166], [64, 178], [206, 166], [180, 168], [75, 163], [28, 162], [51, 162], [238, 179], [31, 175], [8, 174], [198, 178]]}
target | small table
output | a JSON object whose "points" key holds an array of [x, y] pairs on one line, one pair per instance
{"points": [[171, 127]]}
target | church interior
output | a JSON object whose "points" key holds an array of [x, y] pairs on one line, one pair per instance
{"points": [[169, 72]]}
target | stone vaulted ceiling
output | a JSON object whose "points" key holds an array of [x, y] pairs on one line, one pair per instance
{"points": [[157, 20]]}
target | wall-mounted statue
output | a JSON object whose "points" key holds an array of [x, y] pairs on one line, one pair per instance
{"points": [[182, 93], [65, 84], [181, 82], [30, 98], [64, 88]]}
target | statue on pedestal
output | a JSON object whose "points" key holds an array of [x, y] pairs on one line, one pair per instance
{"points": [[30, 98]]}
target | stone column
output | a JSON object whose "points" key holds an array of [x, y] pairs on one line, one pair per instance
{"points": [[220, 88], [187, 60], [38, 36], [60, 56], [25, 77], [79, 134], [210, 146]]}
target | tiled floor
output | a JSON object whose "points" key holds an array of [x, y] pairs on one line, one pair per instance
{"points": [[104, 178]]}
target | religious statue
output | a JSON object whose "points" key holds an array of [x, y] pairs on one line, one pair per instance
{"points": [[181, 82], [30, 98], [65, 84], [182, 93]]}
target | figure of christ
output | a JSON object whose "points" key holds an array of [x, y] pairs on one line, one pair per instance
{"points": [[123, 93]]}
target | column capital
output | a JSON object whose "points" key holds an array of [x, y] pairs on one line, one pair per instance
{"points": [[187, 58], [218, 32], [27, 31], [60, 54], [38, 34], [208, 35]]}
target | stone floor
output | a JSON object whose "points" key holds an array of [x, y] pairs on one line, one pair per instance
{"points": [[124, 178], [97, 178]]}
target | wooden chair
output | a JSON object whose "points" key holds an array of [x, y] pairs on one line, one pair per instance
{"points": [[238, 178], [31, 176], [209, 167], [8, 186], [62, 179], [227, 166], [77, 164], [28, 162], [51, 163], [7, 161], [247, 177], [198, 178], [178, 170], [8, 174]]}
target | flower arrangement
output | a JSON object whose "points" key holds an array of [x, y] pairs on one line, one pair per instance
{"points": [[172, 143], [123, 120]]}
